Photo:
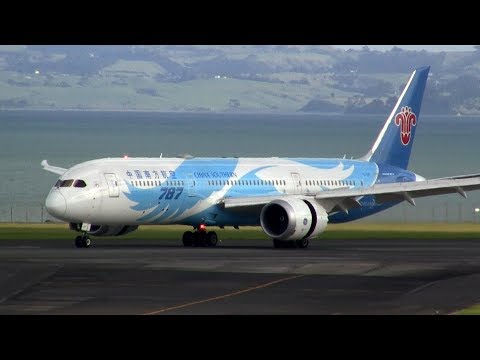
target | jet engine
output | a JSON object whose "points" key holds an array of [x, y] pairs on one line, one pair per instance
{"points": [[293, 219], [106, 230]]}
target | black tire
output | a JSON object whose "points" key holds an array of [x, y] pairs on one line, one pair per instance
{"points": [[187, 238], [303, 243], [212, 239], [199, 238], [78, 242], [86, 242], [278, 244]]}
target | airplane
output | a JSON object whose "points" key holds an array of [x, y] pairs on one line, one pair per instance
{"points": [[292, 199]]}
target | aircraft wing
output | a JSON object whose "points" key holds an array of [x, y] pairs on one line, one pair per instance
{"points": [[345, 198], [408, 190], [53, 169], [460, 176]]}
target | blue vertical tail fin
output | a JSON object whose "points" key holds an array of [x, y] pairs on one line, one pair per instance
{"points": [[394, 143]]}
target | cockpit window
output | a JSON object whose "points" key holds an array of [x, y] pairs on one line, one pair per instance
{"points": [[64, 183], [79, 183], [67, 183]]}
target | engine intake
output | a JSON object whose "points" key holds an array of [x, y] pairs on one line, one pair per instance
{"points": [[293, 219]]}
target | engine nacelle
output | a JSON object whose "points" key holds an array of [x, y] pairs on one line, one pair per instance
{"points": [[106, 230], [293, 219]]}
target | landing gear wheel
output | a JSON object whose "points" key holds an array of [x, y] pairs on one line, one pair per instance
{"points": [[82, 241], [211, 239], [303, 243], [199, 238], [278, 244], [291, 244], [187, 238], [86, 242], [78, 242]]}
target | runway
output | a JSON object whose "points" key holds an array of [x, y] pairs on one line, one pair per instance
{"points": [[239, 277]]}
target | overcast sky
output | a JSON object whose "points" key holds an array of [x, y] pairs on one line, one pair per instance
{"points": [[412, 47]]}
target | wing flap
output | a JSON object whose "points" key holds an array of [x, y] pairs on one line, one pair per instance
{"points": [[422, 193], [467, 176]]}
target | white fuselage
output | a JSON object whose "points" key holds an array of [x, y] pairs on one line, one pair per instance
{"points": [[134, 191]]}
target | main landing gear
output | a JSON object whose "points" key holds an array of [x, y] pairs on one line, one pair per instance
{"points": [[82, 241], [302, 244], [200, 237]]}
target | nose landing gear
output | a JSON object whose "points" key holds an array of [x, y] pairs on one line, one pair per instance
{"points": [[82, 241], [200, 237]]}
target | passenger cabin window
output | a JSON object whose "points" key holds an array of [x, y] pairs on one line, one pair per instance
{"points": [[79, 184]]}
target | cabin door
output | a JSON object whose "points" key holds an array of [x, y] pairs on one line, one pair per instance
{"points": [[112, 182], [297, 183]]}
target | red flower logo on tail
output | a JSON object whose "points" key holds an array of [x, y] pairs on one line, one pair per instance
{"points": [[405, 119]]}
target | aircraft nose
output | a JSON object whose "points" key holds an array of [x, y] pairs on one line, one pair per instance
{"points": [[56, 204]]}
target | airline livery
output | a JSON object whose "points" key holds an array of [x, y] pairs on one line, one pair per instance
{"points": [[292, 199]]}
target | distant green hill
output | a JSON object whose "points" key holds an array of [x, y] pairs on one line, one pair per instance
{"points": [[231, 78]]}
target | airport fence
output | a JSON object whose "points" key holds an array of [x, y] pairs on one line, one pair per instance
{"points": [[25, 214], [448, 212]]}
